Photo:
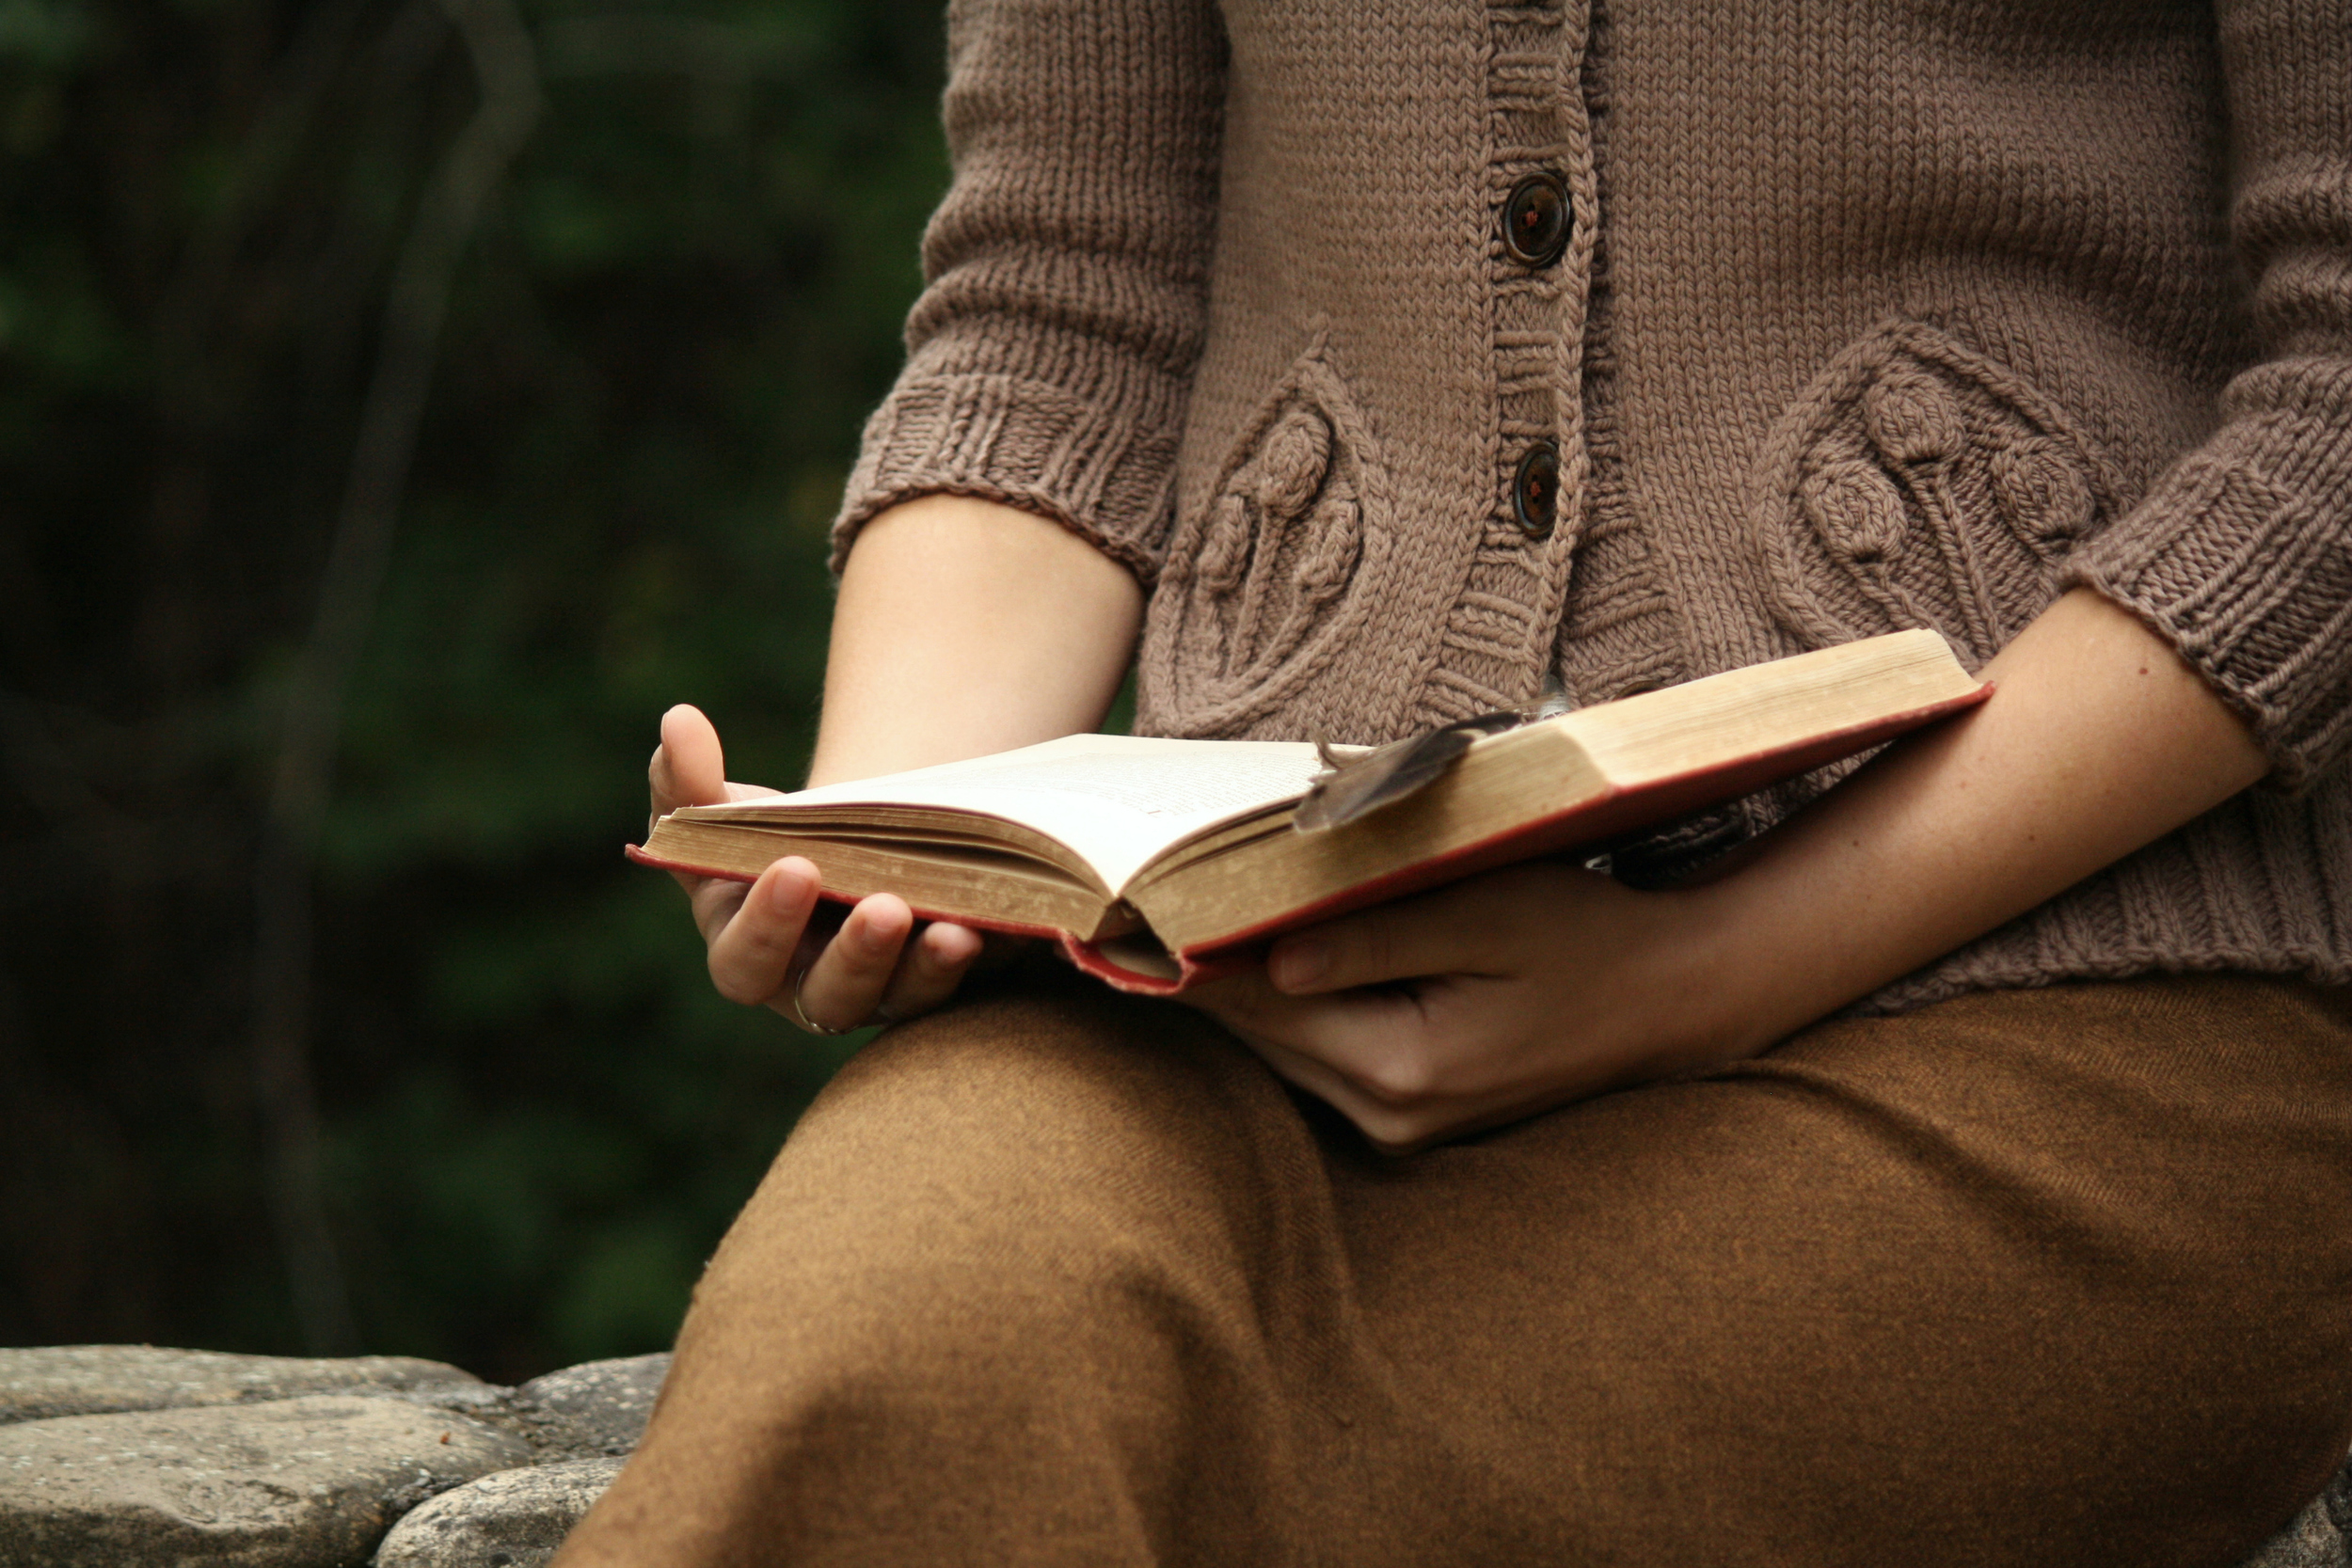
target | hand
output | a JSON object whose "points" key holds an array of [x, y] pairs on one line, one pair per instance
{"points": [[1486, 1002], [1536, 984], [769, 944]]}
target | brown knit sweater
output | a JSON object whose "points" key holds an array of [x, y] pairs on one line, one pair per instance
{"points": [[1405, 347]]}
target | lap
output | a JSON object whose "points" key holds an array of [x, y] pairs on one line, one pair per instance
{"points": [[2059, 1275], [2054, 1275]]}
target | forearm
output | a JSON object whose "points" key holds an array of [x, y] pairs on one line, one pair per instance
{"points": [[2097, 741], [965, 627]]}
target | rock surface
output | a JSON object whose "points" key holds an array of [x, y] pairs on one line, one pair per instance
{"points": [[304, 1482], [513, 1519], [270, 1462], [603, 1403], [2313, 1541], [2319, 1537], [90, 1380]]}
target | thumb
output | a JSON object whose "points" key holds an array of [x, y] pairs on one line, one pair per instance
{"points": [[689, 768]]}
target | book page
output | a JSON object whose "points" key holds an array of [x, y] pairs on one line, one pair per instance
{"points": [[1116, 800]]}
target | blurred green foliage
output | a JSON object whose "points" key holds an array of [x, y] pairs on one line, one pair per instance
{"points": [[661, 341]]}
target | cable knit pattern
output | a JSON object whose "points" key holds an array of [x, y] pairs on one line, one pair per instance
{"points": [[1866, 315]]}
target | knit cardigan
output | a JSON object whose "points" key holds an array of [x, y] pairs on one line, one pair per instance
{"points": [[1406, 349]]}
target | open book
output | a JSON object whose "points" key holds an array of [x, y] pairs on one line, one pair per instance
{"points": [[1157, 863]]}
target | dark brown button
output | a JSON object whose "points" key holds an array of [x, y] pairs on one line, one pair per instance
{"points": [[1536, 490], [1536, 220]]}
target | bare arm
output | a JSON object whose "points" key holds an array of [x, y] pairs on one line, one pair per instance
{"points": [[965, 627], [962, 627], [2098, 741]]}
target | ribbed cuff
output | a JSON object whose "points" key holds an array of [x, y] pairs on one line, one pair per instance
{"points": [[2241, 558], [1101, 462]]}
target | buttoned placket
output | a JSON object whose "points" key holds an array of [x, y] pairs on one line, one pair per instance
{"points": [[1496, 644]]}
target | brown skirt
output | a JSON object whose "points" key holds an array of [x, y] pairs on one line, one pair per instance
{"points": [[2040, 1277]]}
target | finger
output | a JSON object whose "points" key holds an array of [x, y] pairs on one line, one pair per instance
{"points": [[751, 955], [1390, 1128], [713, 901], [846, 984], [688, 768], [1380, 1043], [1439, 933], [934, 965]]}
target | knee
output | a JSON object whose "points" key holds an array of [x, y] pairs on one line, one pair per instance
{"points": [[1008, 1263], [1035, 1192], [1040, 1127]]}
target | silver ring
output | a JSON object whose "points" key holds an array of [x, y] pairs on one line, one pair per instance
{"points": [[801, 1013]]}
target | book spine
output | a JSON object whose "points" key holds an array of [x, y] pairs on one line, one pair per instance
{"points": [[1192, 968], [1091, 959]]}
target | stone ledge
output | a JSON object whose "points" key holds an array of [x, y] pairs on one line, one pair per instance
{"points": [[512, 1519], [97, 1380], [122, 1456], [127, 1456], [317, 1479]]}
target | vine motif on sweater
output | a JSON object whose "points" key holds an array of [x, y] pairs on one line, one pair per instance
{"points": [[1276, 578], [1919, 483]]}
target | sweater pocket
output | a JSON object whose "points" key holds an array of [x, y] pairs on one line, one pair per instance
{"points": [[1266, 586], [1917, 483]]}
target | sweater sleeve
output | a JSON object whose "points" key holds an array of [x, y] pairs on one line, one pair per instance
{"points": [[2241, 555], [1066, 271]]}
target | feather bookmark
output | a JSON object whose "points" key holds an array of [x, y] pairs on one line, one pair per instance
{"points": [[1358, 786], [1361, 783]]}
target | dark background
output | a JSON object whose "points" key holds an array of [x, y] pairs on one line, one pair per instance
{"points": [[402, 402]]}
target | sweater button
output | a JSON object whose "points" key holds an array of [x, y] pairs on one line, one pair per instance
{"points": [[1536, 220], [1536, 490]]}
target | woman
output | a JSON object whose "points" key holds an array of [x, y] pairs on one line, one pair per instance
{"points": [[1959, 1169]]}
